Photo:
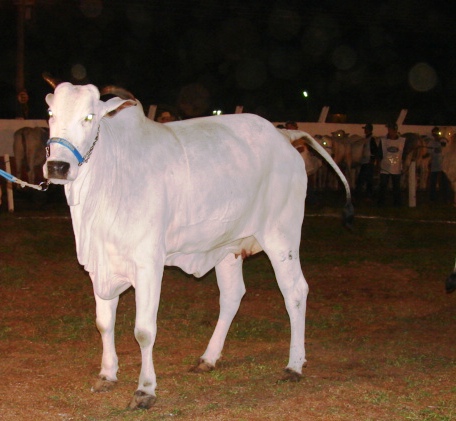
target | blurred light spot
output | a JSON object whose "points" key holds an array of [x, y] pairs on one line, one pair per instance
{"points": [[197, 49], [91, 8], [344, 57], [78, 71], [284, 24], [193, 100], [251, 74], [376, 36], [285, 63], [319, 35], [394, 75], [422, 77], [238, 38], [140, 20], [91, 37]]}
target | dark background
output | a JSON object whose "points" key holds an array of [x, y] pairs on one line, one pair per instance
{"points": [[366, 60]]}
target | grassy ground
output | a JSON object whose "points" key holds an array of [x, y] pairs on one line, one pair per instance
{"points": [[379, 338]]}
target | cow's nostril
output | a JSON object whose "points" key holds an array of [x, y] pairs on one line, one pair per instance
{"points": [[58, 169]]}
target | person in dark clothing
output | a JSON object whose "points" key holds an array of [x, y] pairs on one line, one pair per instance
{"points": [[366, 173], [437, 177]]}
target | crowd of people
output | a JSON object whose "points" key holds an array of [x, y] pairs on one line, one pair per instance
{"points": [[383, 160], [387, 155]]}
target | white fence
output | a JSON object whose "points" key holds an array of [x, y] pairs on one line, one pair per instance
{"points": [[8, 127], [379, 129]]}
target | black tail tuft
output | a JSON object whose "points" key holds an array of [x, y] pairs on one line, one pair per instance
{"points": [[348, 215], [450, 283]]}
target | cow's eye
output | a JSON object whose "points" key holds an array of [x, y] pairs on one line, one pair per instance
{"points": [[50, 113], [89, 117]]}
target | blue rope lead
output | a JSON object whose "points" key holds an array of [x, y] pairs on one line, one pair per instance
{"points": [[42, 186]]}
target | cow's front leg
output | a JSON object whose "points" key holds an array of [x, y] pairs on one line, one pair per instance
{"points": [[232, 289], [106, 319], [147, 300]]}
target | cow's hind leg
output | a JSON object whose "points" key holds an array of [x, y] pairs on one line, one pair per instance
{"points": [[231, 284], [294, 288], [106, 319]]}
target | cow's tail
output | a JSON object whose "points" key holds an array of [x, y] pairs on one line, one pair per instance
{"points": [[348, 213]]}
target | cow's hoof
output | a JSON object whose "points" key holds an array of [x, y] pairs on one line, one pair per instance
{"points": [[290, 375], [103, 385], [202, 367], [450, 284], [141, 400]]}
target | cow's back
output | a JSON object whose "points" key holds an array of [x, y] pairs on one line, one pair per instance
{"points": [[232, 164]]}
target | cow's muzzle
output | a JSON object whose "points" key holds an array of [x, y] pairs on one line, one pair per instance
{"points": [[58, 169]]}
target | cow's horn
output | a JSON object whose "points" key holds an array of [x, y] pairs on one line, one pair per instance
{"points": [[117, 91], [49, 79]]}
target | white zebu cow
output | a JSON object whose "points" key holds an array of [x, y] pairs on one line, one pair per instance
{"points": [[353, 157], [311, 162], [323, 172], [194, 194], [449, 164], [29, 147], [447, 132], [344, 151], [416, 150]]}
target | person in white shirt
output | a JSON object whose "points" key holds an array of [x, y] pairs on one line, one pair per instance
{"points": [[390, 155]]}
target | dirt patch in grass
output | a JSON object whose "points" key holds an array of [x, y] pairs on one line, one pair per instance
{"points": [[380, 341]]}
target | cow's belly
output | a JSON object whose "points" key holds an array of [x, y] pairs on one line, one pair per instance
{"points": [[199, 263]]}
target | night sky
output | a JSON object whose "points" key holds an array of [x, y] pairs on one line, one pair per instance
{"points": [[366, 60]]}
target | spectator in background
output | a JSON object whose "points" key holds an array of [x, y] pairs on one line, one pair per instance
{"points": [[165, 117], [437, 176], [366, 173], [391, 155], [291, 125]]}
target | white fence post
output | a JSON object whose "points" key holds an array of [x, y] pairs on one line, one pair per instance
{"points": [[412, 184], [9, 184], [401, 117], [152, 111], [323, 114]]}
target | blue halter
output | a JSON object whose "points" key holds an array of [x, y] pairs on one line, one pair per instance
{"points": [[67, 144], [81, 159]]}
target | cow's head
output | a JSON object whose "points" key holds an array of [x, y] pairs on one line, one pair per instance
{"points": [[75, 113], [339, 134]]}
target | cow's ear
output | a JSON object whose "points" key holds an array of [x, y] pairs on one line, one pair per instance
{"points": [[114, 105], [49, 99]]}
